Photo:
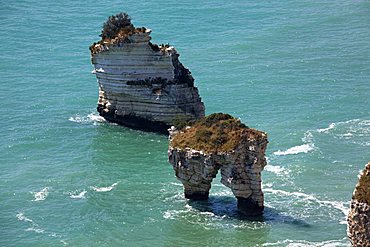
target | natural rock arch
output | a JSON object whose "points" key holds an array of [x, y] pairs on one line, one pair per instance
{"points": [[240, 166]]}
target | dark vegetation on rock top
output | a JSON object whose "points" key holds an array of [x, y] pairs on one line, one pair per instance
{"points": [[116, 29], [217, 132]]}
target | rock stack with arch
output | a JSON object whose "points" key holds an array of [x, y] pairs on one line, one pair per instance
{"points": [[215, 143]]}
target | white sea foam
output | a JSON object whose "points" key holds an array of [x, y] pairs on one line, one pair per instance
{"points": [[331, 126], [34, 229], [41, 195], [303, 243], [80, 195], [21, 217], [104, 189], [287, 193], [90, 118], [348, 129], [308, 146], [96, 118], [305, 148], [340, 206], [277, 170]]}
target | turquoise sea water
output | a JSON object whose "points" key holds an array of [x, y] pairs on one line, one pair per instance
{"points": [[299, 70]]}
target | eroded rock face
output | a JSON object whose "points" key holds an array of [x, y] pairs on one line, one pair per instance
{"points": [[359, 215], [240, 166], [143, 85]]}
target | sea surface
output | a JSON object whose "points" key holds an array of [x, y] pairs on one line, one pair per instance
{"points": [[299, 70]]}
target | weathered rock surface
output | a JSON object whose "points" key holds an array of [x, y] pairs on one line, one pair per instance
{"points": [[220, 142], [359, 215], [143, 85]]}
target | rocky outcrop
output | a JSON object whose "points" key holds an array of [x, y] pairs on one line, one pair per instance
{"points": [[220, 142], [359, 215], [141, 85]]}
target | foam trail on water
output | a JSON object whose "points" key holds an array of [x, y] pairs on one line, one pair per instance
{"points": [[104, 189], [34, 227], [21, 217], [331, 126], [338, 205], [81, 195], [303, 243], [334, 204], [96, 118], [305, 148], [41, 195], [90, 118], [277, 170]]}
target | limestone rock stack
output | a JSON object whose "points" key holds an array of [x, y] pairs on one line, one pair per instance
{"points": [[359, 215], [220, 142], [141, 85]]}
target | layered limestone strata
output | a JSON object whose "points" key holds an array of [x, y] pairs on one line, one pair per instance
{"points": [[220, 142], [143, 85], [359, 215]]}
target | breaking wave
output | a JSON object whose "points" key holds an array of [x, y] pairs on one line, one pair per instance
{"points": [[21, 217], [355, 131], [104, 189], [340, 206], [90, 118], [305, 148], [308, 146], [302, 243], [80, 195], [34, 227], [331, 126], [41, 195], [279, 170]]}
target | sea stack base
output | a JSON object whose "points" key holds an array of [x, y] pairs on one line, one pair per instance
{"points": [[196, 196], [249, 207]]}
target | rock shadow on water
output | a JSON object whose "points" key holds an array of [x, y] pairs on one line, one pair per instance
{"points": [[227, 206]]}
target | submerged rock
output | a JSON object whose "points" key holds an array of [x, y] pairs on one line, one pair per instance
{"points": [[359, 214], [141, 85], [220, 142]]}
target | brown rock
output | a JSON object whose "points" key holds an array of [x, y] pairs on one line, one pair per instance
{"points": [[220, 142], [141, 85], [359, 215]]}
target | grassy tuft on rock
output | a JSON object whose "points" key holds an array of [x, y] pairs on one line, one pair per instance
{"points": [[217, 132], [116, 29]]}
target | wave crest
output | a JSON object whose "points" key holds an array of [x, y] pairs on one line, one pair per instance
{"points": [[80, 195], [41, 195], [90, 118], [104, 189], [305, 148]]}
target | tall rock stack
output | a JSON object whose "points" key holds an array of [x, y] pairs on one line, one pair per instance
{"points": [[359, 215], [220, 142], [141, 85]]}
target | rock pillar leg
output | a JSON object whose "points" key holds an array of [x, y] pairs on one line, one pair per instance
{"points": [[196, 191], [195, 171], [245, 183], [249, 207]]}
